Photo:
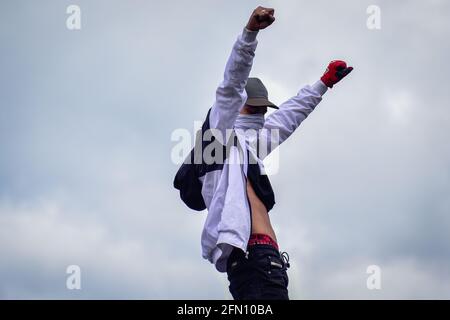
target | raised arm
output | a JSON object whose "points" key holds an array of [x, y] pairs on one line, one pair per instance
{"points": [[292, 112], [230, 95]]}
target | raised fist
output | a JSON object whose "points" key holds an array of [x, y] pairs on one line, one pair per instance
{"points": [[260, 19], [335, 72]]}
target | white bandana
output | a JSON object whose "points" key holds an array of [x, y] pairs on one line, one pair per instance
{"points": [[249, 121]]}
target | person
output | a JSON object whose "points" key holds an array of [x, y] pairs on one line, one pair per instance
{"points": [[238, 237]]}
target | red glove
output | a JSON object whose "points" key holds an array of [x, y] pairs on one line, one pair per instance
{"points": [[336, 70]]}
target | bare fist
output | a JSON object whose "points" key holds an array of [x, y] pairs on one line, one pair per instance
{"points": [[261, 18]]}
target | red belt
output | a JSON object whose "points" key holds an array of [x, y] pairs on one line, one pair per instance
{"points": [[259, 238]]}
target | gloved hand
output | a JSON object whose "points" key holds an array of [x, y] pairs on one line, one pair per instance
{"points": [[335, 72]]}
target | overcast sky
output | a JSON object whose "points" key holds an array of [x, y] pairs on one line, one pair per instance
{"points": [[85, 134]]}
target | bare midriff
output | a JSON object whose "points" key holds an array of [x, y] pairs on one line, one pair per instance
{"points": [[260, 216]]}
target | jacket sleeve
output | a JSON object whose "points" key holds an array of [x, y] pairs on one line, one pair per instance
{"points": [[283, 122], [231, 95]]}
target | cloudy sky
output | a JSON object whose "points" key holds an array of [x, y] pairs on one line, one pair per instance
{"points": [[86, 118]]}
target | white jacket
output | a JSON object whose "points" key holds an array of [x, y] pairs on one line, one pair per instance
{"points": [[223, 185]]}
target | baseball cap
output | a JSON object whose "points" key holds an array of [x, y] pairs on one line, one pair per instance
{"points": [[257, 95]]}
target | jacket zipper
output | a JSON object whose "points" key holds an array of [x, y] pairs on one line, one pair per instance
{"points": [[250, 211]]}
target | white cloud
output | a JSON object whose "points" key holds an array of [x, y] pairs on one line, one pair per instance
{"points": [[86, 176], [399, 107], [42, 241]]}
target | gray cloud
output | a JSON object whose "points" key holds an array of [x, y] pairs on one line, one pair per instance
{"points": [[85, 171]]}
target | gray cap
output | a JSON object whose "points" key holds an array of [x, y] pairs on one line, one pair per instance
{"points": [[257, 95]]}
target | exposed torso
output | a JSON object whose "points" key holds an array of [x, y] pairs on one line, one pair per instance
{"points": [[260, 216]]}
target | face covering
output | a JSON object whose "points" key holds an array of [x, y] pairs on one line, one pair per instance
{"points": [[249, 121]]}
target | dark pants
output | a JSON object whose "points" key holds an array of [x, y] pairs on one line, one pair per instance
{"points": [[259, 275]]}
